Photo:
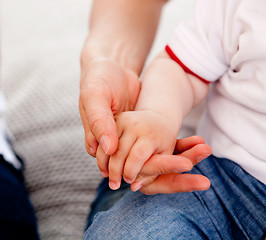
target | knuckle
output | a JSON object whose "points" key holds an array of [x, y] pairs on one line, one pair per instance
{"points": [[119, 154], [158, 169], [98, 123], [95, 123], [137, 154], [91, 90]]}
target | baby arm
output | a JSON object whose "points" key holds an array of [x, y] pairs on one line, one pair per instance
{"points": [[167, 95]]}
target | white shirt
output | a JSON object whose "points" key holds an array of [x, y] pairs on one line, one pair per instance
{"points": [[226, 44], [5, 148]]}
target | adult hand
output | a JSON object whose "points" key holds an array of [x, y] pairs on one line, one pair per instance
{"points": [[162, 173], [112, 58], [106, 89]]}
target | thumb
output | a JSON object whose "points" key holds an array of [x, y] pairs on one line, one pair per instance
{"points": [[100, 120], [103, 127]]}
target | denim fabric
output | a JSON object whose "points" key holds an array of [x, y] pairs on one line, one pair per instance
{"points": [[17, 217], [106, 198], [233, 208]]}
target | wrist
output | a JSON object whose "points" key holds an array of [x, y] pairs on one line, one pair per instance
{"points": [[95, 49], [170, 122]]}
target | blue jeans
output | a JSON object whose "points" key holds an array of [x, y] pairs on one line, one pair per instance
{"points": [[17, 217], [233, 208]]}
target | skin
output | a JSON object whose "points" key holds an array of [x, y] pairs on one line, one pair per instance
{"points": [[167, 169], [111, 62], [166, 96]]}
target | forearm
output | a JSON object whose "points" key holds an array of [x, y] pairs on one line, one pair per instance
{"points": [[122, 30], [168, 90]]}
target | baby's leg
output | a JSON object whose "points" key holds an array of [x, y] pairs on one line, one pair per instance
{"points": [[233, 208], [106, 198]]}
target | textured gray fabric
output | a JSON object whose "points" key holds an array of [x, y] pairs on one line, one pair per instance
{"points": [[41, 43], [40, 48]]}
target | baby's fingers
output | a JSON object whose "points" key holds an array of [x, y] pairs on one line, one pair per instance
{"points": [[117, 160], [139, 154], [185, 144], [173, 183], [163, 164]]}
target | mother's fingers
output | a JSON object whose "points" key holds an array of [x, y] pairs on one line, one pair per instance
{"points": [[102, 162], [174, 182], [97, 117], [163, 164], [185, 144], [141, 182], [91, 144], [90, 141], [197, 153]]}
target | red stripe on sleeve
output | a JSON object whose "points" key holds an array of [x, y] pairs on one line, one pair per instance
{"points": [[185, 68]]}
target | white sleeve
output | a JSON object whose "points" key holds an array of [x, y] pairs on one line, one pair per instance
{"points": [[198, 44]]}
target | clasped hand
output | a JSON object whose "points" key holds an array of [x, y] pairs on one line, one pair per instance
{"points": [[144, 156], [108, 89]]}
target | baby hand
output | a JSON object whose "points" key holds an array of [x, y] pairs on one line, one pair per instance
{"points": [[141, 134]]}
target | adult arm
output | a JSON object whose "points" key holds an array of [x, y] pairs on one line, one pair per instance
{"points": [[121, 35]]}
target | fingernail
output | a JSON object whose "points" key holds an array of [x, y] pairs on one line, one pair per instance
{"points": [[105, 143], [200, 158], [185, 169], [128, 180], [114, 185], [138, 187]]}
